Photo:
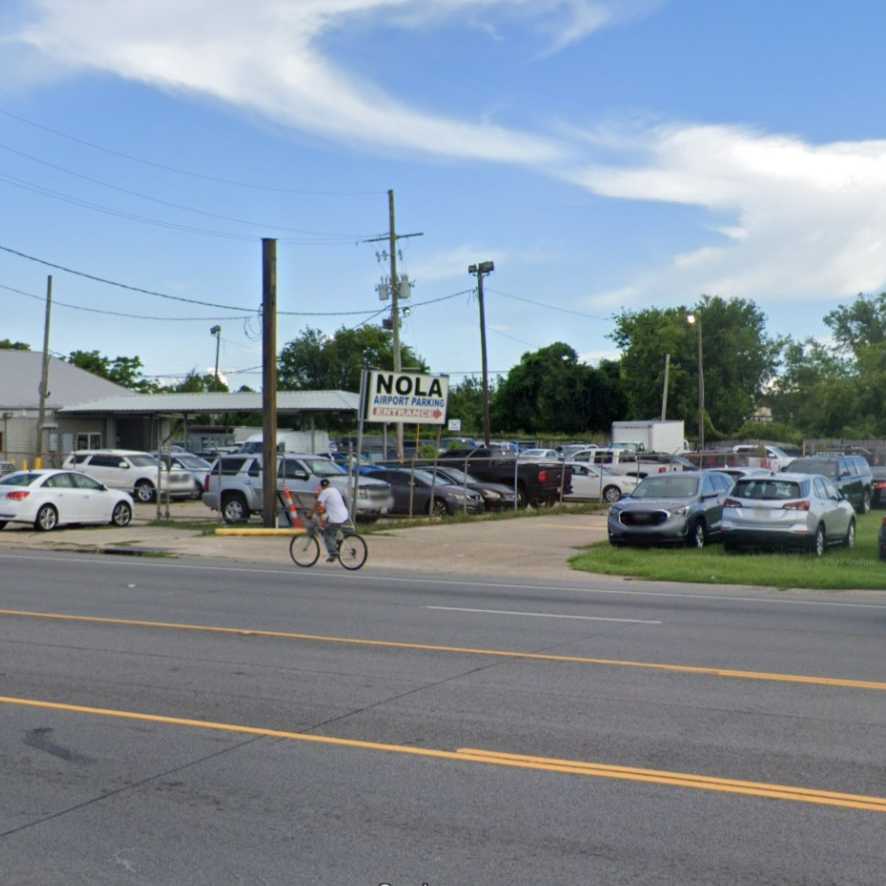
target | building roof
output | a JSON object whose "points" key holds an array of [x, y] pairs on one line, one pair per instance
{"points": [[20, 373], [196, 404]]}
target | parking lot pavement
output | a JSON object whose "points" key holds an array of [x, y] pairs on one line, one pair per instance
{"points": [[532, 547]]}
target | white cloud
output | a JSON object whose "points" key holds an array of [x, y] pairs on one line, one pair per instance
{"points": [[592, 358], [807, 221], [266, 57]]}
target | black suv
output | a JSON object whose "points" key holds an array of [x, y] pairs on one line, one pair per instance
{"points": [[851, 474]]}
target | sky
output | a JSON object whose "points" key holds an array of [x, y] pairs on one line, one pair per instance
{"points": [[605, 154]]}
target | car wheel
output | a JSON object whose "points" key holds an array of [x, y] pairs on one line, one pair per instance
{"points": [[849, 541], [121, 516], [144, 492], [819, 542], [441, 509], [866, 502], [234, 509], [611, 494], [522, 501], [47, 519], [698, 535], [2, 524]]}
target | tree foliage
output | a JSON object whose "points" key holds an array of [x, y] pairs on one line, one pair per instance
{"points": [[315, 361], [551, 390], [739, 360], [7, 344], [124, 371]]}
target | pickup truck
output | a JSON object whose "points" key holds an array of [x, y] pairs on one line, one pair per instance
{"points": [[538, 482], [234, 486]]}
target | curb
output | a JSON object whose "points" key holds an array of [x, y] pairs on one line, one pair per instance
{"points": [[247, 533]]}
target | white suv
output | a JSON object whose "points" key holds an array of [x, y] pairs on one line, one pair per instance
{"points": [[134, 472]]}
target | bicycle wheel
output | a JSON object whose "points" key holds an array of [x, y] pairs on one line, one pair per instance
{"points": [[352, 552], [304, 550]]}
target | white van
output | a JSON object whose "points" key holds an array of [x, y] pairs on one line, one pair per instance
{"points": [[628, 462]]}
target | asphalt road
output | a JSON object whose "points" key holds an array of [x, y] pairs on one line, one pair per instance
{"points": [[196, 724]]}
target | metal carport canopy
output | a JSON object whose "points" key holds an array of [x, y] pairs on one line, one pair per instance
{"points": [[288, 402]]}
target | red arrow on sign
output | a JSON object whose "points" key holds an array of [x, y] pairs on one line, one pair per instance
{"points": [[436, 413]]}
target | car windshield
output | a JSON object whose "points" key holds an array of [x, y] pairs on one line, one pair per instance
{"points": [[143, 461], [769, 489], [459, 477], [670, 486], [322, 467], [20, 479], [824, 466], [193, 462], [425, 477]]}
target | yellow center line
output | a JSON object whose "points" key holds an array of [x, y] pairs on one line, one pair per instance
{"points": [[695, 670], [495, 758]]}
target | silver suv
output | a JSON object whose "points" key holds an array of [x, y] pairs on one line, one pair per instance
{"points": [[234, 485], [134, 472]]}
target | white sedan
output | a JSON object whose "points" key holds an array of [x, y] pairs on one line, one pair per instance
{"points": [[47, 499], [595, 482]]}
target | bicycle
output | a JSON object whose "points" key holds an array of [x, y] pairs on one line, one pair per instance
{"points": [[351, 550]]}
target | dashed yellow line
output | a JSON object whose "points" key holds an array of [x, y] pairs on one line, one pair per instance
{"points": [[496, 758], [701, 671]]}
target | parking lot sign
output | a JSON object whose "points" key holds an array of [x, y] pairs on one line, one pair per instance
{"points": [[406, 397]]}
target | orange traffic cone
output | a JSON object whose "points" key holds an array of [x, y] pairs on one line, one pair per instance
{"points": [[294, 519]]}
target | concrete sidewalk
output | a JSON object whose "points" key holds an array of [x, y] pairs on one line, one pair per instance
{"points": [[535, 547]]}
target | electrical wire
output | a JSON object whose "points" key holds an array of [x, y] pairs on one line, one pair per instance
{"points": [[345, 238], [178, 171], [542, 304]]}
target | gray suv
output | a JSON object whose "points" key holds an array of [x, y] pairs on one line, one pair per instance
{"points": [[234, 485], [684, 507]]}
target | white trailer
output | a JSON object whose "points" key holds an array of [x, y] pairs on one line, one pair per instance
{"points": [[651, 436], [315, 442]]}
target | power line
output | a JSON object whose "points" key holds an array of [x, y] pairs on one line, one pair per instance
{"points": [[542, 304], [178, 171], [346, 238]]}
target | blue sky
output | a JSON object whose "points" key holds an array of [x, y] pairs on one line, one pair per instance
{"points": [[604, 154]]}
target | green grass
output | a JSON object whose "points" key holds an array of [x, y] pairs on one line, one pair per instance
{"points": [[205, 527], [839, 569]]}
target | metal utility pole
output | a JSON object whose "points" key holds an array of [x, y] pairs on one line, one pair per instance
{"points": [[392, 237], [664, 393], [44, 375], [481, 270], [216, 331], [269, 382]]}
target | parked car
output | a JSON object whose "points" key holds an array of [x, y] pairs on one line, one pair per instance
{"points": [[685, 507], [496, 496], [631, 461], [851, 474], [416, 485], [569, 451], [787, 510], [598, 482], [773, 457], [539, 455], [134, 472], [738, 473], [878, 490], [234, 486], [538, 482], [196, 466], [47, 499]]}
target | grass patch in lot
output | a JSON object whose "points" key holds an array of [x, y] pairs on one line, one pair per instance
{"points": [[386, 525], [839, 569]]}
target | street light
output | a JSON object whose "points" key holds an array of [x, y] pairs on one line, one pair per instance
{"points": [[695, 320], [480, 271]]}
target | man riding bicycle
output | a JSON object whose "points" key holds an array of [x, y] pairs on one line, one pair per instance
{"points": [[331, 505]]}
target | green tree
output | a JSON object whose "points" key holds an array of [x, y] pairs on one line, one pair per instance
{"points": [[860, 324], [550, 390], [315, 361], [7, 344], [196, 383], [739, 360], [466, 403], [124, 371]]}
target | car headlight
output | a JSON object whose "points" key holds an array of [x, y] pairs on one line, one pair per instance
{"points": [[491, 495], [458, 496], [680, 512]]}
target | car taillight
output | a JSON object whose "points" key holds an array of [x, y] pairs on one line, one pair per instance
{"points": [[795, 506], [18, 495], [543, 476], [731, 503], [881, 485]]}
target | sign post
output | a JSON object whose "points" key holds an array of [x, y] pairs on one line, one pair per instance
{"points": [[355, 462]]}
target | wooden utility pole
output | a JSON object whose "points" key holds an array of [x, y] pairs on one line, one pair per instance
{"points": [[44, 375], [664, 392], [269, 382], [700, 388], [392, 237], [481, 270]]}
